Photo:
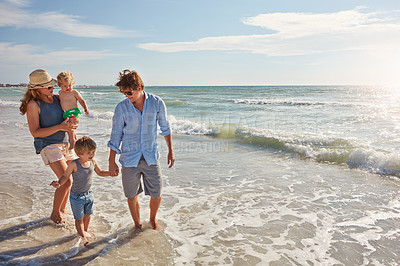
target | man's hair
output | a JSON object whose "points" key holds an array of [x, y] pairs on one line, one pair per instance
{"points": [[67, 76], [129, 80], [83, 145]]}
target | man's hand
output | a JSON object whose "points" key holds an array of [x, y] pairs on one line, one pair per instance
{"points": [[113, 169], [171, 159]]}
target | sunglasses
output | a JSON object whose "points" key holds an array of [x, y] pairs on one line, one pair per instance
{"points": [[129, 93]]}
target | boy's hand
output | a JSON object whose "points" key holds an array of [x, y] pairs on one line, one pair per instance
{"points": [[55, 184], [87, 112]]}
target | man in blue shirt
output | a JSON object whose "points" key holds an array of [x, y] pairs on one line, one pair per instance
{"points": [[134, 137]]}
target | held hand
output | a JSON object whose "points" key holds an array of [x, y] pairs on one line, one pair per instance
{"points": [[87, 112], [113, 169], [171, 159], [55, 184]]}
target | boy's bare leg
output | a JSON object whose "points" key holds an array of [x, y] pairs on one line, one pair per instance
{"points": [[134, 208], [80, 228], [154, 206], [86, 221], [61, 193], [72, 139]]}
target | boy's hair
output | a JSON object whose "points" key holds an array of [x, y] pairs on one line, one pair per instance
{"points": [[67, 76], [129, 79], [83, 145]]}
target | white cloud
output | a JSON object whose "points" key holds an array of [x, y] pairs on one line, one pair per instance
{"points": [[11, 54], [295, 25], [14, 16], [19, 2], [303, 33]]}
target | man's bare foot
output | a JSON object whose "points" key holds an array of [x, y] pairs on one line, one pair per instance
{"points": [[154, 224], [56, 218]]}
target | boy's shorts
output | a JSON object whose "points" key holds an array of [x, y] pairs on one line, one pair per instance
{"points": [[56, 152], [152, 180], [81, 204], [74, 111]]}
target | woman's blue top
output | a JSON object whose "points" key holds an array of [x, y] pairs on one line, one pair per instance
{"points": [[51, 114]]}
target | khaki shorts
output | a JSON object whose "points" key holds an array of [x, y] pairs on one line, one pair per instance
{"points": [[151, 176], [56, 152]]}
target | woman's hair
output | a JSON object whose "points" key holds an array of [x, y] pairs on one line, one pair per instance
{"points": [[30, 94], [67, 76], [129, 79], [83, 145]]}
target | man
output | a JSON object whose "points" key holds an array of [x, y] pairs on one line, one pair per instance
{"points": [[134, 128]]}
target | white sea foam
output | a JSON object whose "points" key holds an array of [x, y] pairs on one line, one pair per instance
{"points": [[101, 115], [187, 127], [275, 102]]}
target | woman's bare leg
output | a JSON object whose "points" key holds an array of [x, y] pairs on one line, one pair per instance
{"points": [[61, 194]]}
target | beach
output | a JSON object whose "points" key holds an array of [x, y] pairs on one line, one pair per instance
{"points": [[264, 175]]}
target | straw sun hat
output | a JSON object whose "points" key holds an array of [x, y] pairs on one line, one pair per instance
{"points": [[40, 79]]}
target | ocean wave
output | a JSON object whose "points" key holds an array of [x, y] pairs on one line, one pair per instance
{"points": [[275, 102], [336, 151], [175, 102], [9, 103], [101, 115], [320, 149], [91, 92], [187, 127]]}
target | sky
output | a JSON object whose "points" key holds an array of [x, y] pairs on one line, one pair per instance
{"points": [[208, 42]]}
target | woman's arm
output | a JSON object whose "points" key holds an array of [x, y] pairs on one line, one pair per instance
{"points": [[32, 115]]}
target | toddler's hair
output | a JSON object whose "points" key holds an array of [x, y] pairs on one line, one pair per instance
{"points": [[129, 80], [67, 76], [83, 145]]}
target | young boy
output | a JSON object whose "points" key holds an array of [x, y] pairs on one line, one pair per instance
{"points": [[68, 99], [80, 172]]}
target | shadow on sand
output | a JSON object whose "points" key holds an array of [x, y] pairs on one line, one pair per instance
{"points": [[74, 256]]}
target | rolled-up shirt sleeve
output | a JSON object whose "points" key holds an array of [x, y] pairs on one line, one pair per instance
{"points": [[117, 130], [162, 119]]}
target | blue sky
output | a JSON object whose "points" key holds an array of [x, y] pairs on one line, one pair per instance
{"points": [[209, 42]]}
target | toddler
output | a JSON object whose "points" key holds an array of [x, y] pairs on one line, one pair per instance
{"points": [[68, 99], [80, 172]]}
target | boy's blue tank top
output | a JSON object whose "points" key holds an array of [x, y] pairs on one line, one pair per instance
{"points": [[51, 114]]}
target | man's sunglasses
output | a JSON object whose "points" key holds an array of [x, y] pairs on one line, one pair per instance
{"points": [[129, 93]]}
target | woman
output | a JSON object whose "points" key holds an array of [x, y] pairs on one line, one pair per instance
{"points": [[48, 127]]}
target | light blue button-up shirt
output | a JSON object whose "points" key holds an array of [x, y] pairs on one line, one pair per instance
{"points": [[136, 132]]}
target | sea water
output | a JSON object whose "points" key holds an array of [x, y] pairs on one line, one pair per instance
{"points": [[264, 175]]}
